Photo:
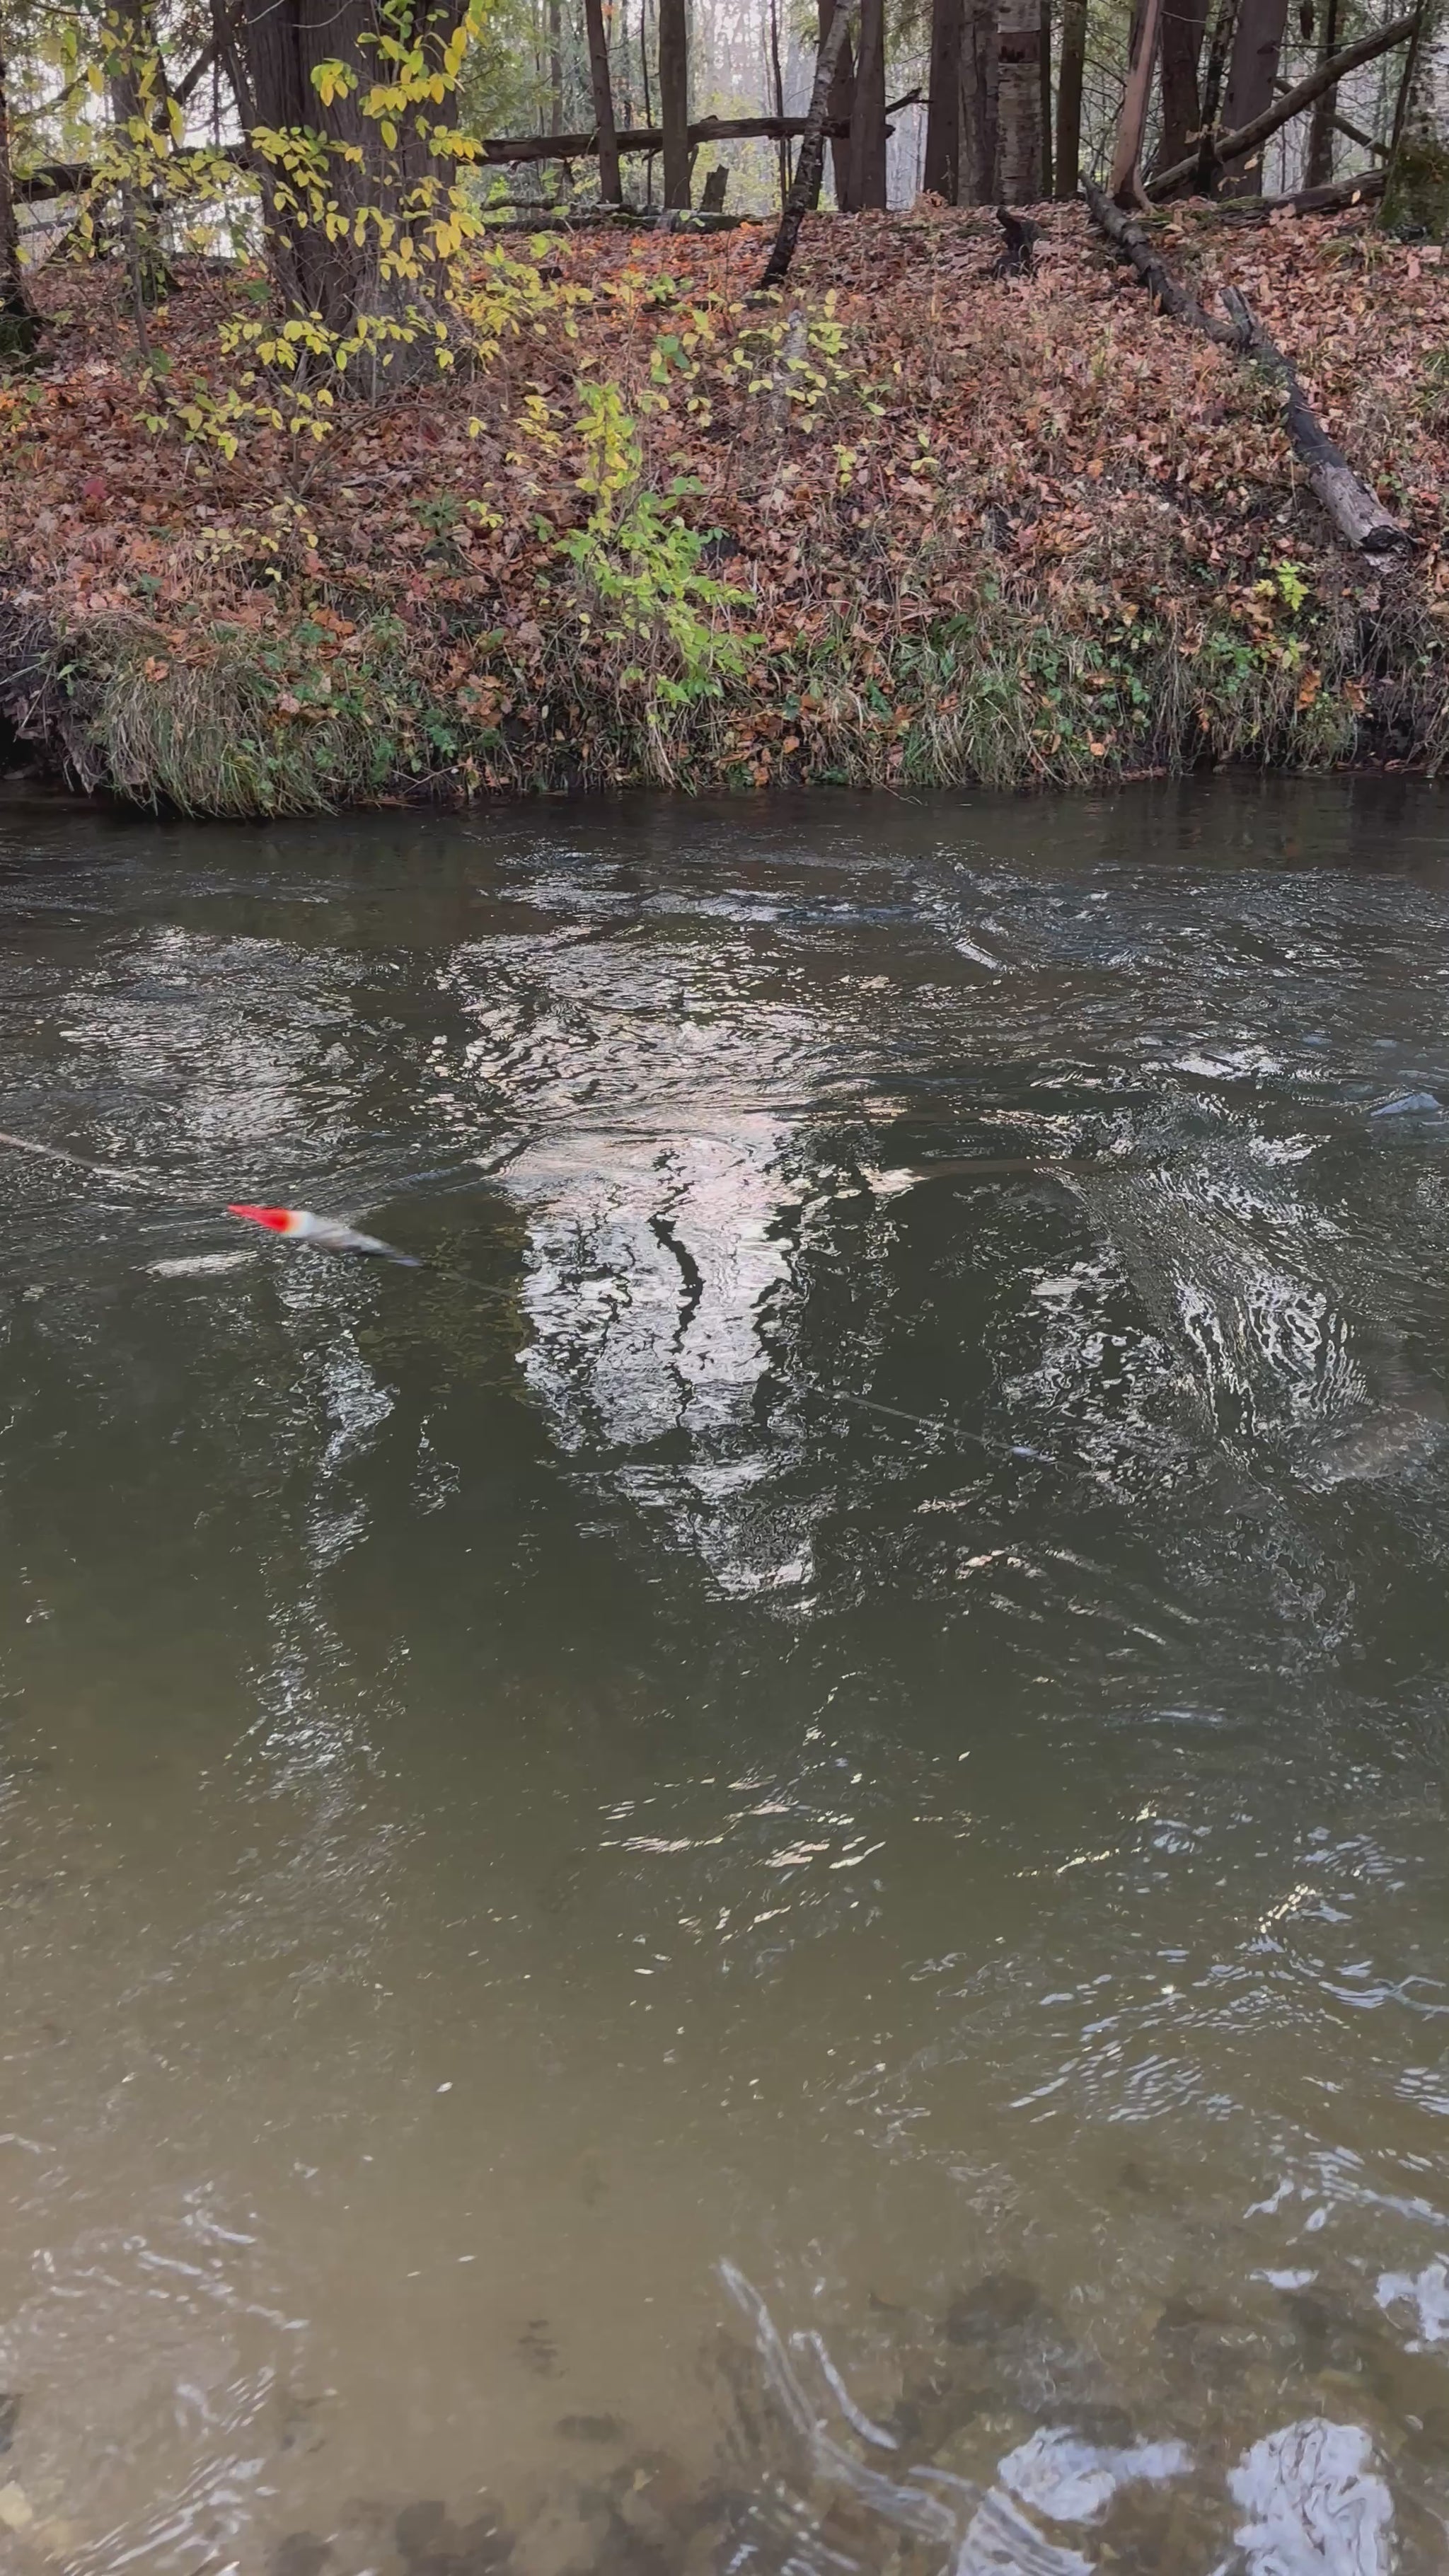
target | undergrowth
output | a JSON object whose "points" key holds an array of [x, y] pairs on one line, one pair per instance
{"points": [[330, 714]]}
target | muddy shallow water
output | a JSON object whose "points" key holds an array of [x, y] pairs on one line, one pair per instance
{"points": [[754, 1875]]}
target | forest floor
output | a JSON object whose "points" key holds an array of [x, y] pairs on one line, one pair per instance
{"points": [[915, 523]]}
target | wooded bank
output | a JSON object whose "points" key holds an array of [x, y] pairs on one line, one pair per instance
{"points": [[930, 524]]}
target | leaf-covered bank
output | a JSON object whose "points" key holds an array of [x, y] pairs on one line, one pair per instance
{"points": [[914, 523]]}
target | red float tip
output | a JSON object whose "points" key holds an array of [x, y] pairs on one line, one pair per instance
{"points": [[280, 1220]]}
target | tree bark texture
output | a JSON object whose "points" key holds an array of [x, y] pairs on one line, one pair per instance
{"points": [[1355, 511], [1018, 101], [1126, 184], [555, 68], [942, 170], [1044, 73], [674, 98], [1214, 79], [1257, 43], [611, 189], [810, 168], [868, 115], [840, 108], [1069, 97], [1319, 167], [980, 74], [1184, 24], [1416, 192]]}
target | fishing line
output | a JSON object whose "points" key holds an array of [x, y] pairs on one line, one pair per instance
{"points": [[61, 1154]]}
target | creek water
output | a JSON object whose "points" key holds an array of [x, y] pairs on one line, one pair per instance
{"points": [[752, 1875]]}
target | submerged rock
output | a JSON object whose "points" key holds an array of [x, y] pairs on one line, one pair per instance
{"points": [[300, 2554], [591, 2428], [999, 2304], [9, 2418], [1316, 2507], [430, 2543]]}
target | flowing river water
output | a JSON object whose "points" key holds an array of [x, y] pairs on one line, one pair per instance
{"points": [[751, 1877]]}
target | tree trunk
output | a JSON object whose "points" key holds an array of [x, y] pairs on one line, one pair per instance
{"points": [[1318, 169], [555, 69], [868, 112], [980, 79], [840, 108], [19, 327], [1069, 98], [1251, 74], [1184, 24], [942, 172], [611, 190], [1018, 108], [1044, 58], [1416, 191], [777, 76], [810, 168], [1215, 72], [1126, 182], [674, 99], [336, 166], [137, 93]]}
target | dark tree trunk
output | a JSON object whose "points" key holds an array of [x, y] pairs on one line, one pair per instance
{"points": [[339, 164], [555, 70], [1319, 168], [942, 172], [611, 191], [1251, 74], [1045, 60], [810, 168], [777, 76], [980, 68], [840, 108], [19, 328], [868, 113], [137, 93], [1069, 98], [674, 98], [1215, 72], [1184, 24]]}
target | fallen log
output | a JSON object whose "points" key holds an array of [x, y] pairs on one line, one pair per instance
{"points": [[1223, 148], [1356, 512], [1335, 197], [73, 178]]}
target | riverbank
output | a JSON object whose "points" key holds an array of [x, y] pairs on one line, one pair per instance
{"points": [[919, 524]]}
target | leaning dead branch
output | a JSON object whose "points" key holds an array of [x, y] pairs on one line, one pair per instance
{"points": [[1246, 139], [1360, 518]]}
